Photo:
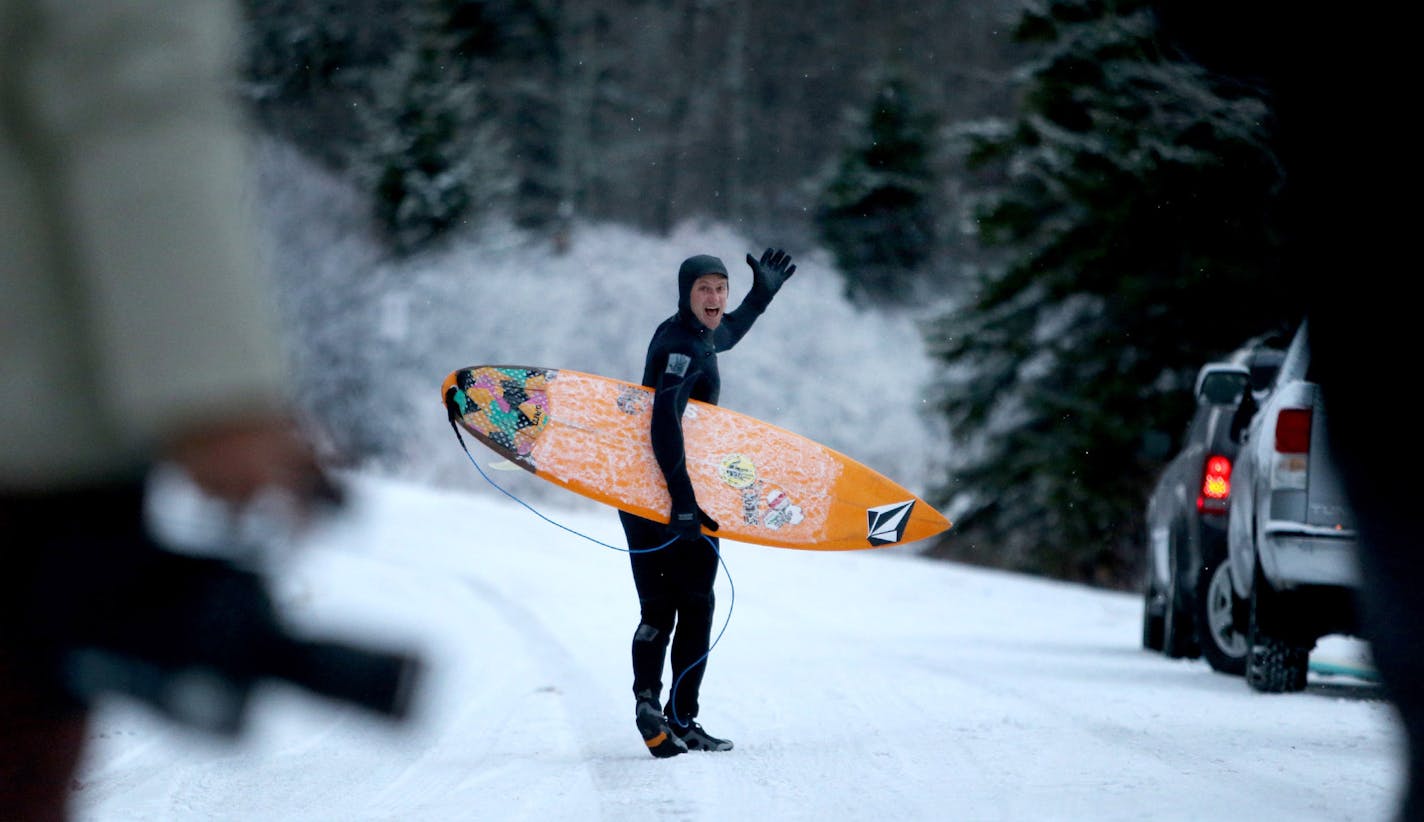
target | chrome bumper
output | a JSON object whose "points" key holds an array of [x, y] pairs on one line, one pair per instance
{"points": [[1293, 555]]}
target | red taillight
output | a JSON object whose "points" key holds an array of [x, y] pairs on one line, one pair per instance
{"points": [[1293, 431], [1216, 486]]}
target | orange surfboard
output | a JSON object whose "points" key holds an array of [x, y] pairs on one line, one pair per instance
{"points": [[761, 483]]}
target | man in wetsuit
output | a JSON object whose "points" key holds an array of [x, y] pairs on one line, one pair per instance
{"points": [[675, 582]]}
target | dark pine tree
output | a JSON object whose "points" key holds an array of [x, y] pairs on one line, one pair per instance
{"points": [[1133, 203], [877, 213], [433, 158]]}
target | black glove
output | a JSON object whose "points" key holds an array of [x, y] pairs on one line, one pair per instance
{"points": [[687, 523], [771, 271]]}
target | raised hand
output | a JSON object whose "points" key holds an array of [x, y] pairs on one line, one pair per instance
{"points": [[771, 271]]}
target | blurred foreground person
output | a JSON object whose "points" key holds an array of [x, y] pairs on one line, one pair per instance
{"points": [[134, 331], [1338, 86]]}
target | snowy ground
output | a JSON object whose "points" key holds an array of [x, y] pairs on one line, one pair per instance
{"points": [[857, 686]]}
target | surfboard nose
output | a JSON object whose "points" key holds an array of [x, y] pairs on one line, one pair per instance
{"points": [[925, 523]]}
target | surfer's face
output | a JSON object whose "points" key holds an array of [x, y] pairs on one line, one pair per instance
{"points": [[709, 299]]}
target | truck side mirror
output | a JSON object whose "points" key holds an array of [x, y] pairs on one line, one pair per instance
{"points": [[1222, 383]]}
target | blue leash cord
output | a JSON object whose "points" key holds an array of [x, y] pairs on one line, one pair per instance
{"points": [[672, 694], [732, 601]]}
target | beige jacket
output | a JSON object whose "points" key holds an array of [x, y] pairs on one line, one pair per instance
{"points": [[130, 301]]}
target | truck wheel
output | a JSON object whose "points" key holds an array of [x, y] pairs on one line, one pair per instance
{"points": [[1219, 612], [1151, 623], [1274, 664], [1178, 641]]}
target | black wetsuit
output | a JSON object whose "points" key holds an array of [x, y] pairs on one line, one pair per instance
{"points": [[675, 583]]}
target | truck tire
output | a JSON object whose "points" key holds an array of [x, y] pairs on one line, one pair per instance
{"points": [[1178, 635], [1151, 623], [1219, 616], [1275, 664]]}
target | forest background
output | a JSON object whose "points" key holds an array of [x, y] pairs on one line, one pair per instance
{"points": [[1073, 213]]}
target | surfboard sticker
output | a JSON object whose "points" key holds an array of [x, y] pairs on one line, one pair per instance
{"points": [[764, 484], [738, 471], [631, 401], [886, 523], [780, 510]]}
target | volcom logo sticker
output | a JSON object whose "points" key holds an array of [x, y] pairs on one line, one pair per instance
{"points": [[886, 523], [678, 363]]}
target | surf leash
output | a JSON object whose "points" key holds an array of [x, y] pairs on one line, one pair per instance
{"points": [[731, 602], [540, 515]]}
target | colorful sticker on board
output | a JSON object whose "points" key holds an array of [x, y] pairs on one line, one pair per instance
{"points": [[737, 470], [780, 511], [632, 401], [750, 511]]}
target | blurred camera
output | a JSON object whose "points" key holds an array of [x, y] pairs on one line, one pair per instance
{"points": [[197, 635], [107, 607]]}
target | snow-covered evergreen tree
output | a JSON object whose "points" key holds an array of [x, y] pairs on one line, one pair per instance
{"points": [[878, 214], [433, 159], [292, 46], [1132, 199]]}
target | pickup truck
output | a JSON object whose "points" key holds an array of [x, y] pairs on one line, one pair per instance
{"points": [[1189, 608], [1290, 534]]}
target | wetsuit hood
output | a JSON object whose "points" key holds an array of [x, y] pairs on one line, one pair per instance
{"points": [[692, 268]]}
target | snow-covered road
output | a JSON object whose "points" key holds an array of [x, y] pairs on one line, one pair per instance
{"points": [[857, 686]]}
